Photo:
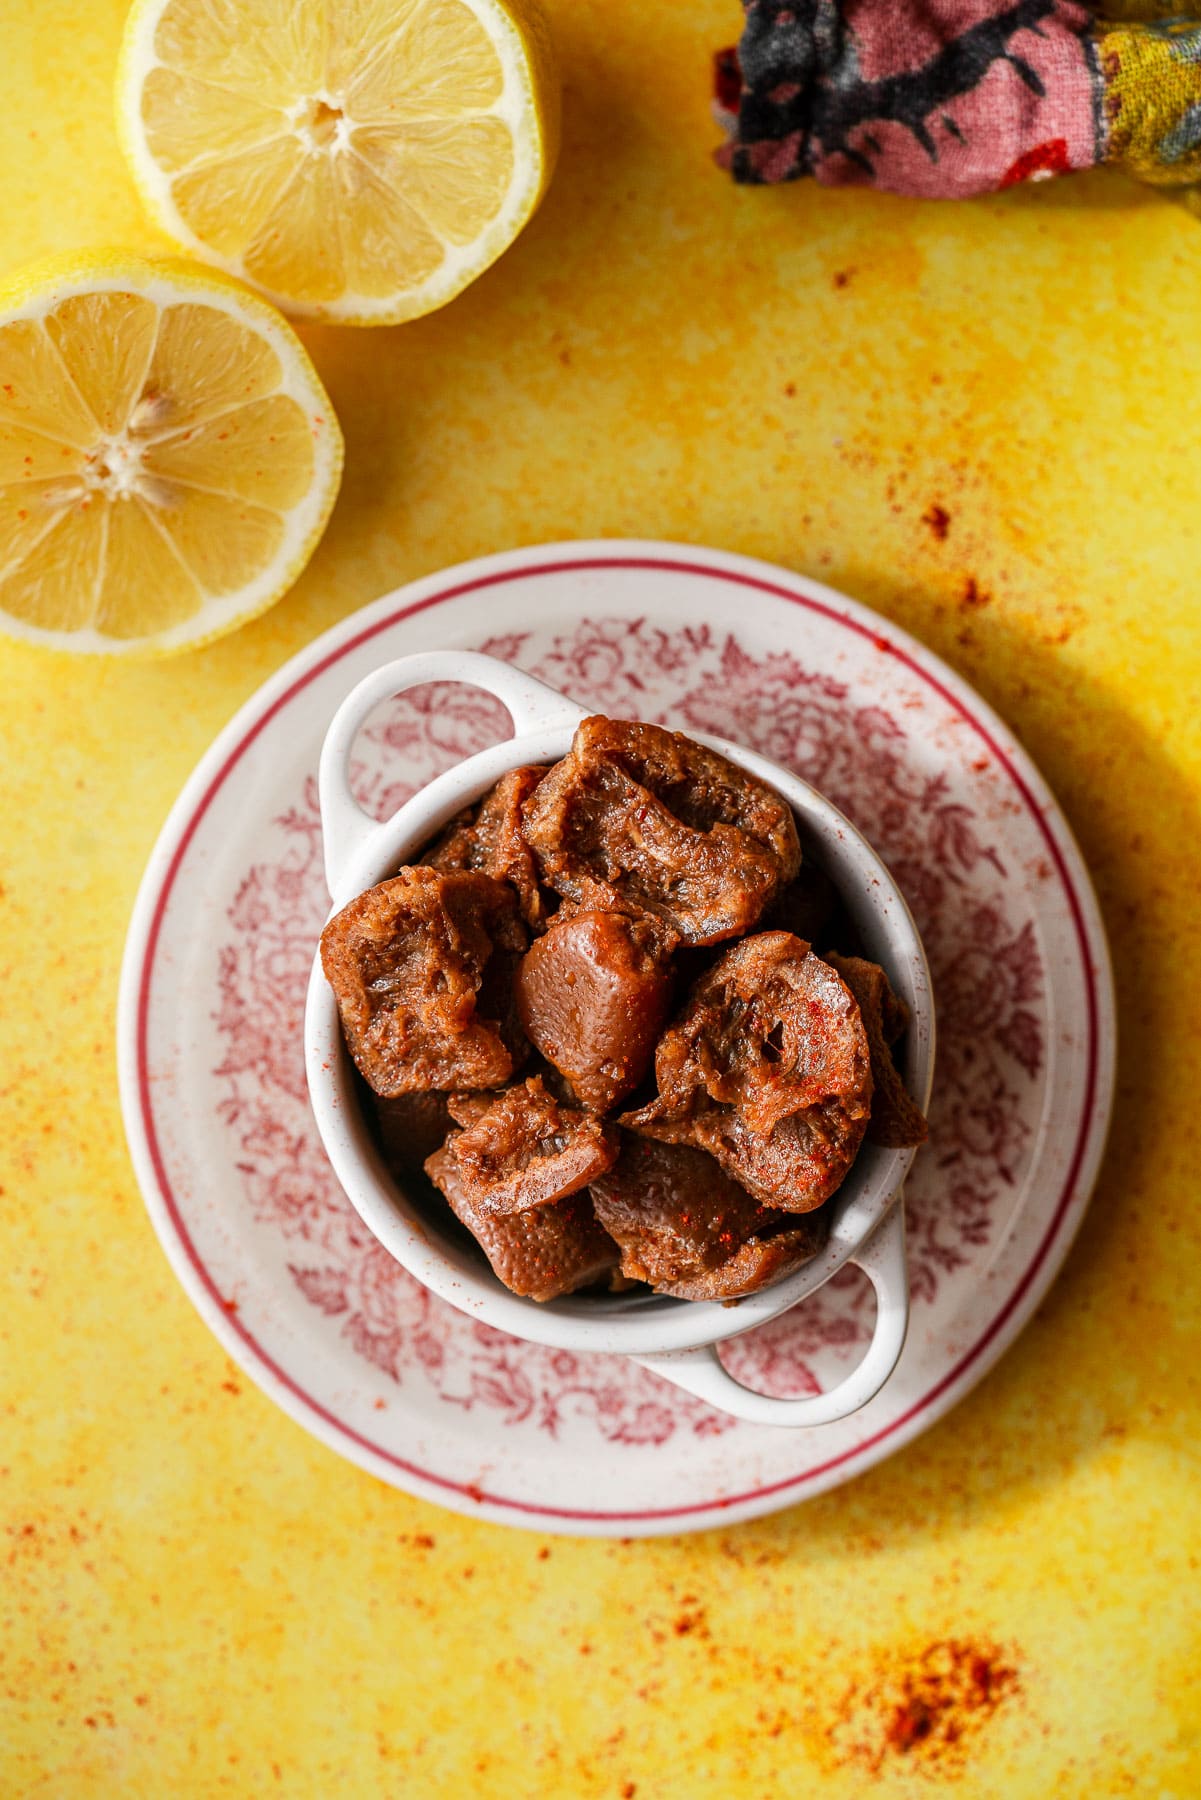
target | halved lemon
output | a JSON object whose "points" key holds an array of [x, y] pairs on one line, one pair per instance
{"points": [[168, 457], [357, 160]]}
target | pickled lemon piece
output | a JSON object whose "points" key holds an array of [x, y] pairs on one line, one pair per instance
{"points": [[168, 457]]}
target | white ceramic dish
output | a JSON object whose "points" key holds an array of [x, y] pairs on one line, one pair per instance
{"points": [[255, 1222], [674, 1338]]}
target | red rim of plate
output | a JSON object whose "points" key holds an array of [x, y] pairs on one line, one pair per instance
{"points": [[471, 1491]]}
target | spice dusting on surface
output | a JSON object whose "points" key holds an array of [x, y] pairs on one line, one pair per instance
{"points": [[973, 595], [925, 1708], [938, 519]]}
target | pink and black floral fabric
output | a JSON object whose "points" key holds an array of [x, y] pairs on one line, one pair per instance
{"points": [[949, 98]]}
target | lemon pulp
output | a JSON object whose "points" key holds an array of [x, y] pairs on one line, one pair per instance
{"points": [[167, 459], [357, 159]]}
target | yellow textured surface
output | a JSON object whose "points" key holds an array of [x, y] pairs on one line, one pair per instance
{"points": [[199, 1599]]}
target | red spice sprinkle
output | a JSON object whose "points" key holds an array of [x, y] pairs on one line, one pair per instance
{"points": [[938, 519], [842, 277], [922, 1707], [973, 595]]}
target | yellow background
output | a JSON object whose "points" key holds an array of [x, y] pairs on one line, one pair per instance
{"points": [[196, 1598]]}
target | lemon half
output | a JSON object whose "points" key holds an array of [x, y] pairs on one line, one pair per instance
{"points": [[168, 457], [356, 160]]}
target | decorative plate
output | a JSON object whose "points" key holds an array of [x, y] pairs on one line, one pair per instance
{"points": [[212, 1067]]}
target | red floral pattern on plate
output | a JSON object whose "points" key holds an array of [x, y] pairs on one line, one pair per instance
{"points": [[984, 959]]}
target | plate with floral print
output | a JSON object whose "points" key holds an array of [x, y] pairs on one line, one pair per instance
{"points": [[212, 1057]]}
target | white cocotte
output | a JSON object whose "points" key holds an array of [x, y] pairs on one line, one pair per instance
{"points": [[675, 1338]]}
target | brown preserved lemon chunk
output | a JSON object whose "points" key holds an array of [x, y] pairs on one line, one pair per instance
{"points": [[701, 787], [541, 1253], [639, 817], [762, 1260], [770, 1029], [684, 1226], [897, 1121], [422, 970], [593, 995], [796, 1165], [488, 839], [768, 1069], [522, 1148]]}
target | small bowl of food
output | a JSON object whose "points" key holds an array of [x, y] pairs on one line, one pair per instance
{"points": [[619, 1040]]}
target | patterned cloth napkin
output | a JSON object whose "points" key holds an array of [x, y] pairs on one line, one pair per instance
{"points": [[947, 98]]}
